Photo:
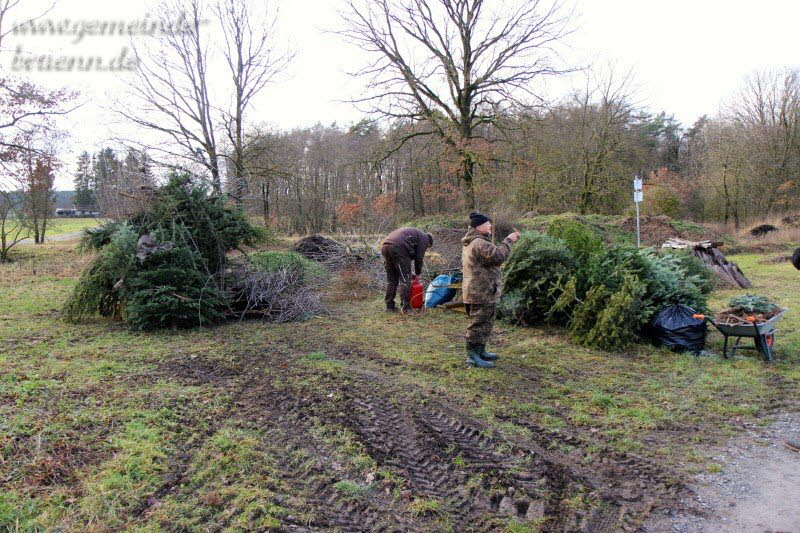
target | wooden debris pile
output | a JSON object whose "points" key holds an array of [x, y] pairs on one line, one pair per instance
{"points": [[709, 252]]}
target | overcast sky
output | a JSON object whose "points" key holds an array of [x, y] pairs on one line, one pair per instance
{"points": [[687, 55]]}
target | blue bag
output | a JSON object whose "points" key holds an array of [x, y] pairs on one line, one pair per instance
{"points": [[437, 293]]}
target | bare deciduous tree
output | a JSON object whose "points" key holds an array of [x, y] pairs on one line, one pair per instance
{"points": [[767, 111], [38, 194], [6, 6], [454, 64], [14, 226], [253, 61], [604, 109], [25, 107], [170, 92]]}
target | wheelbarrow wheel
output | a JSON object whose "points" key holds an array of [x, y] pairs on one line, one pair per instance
{"points": [[770, 341]]}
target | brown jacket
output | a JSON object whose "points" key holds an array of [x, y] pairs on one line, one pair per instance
{"points": [[413, 242], [481, 260]]}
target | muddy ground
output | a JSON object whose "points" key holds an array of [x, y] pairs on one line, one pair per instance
{"points": [[426, 447], [369, 422]]}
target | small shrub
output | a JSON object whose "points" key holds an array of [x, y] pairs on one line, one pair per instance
{"points": [[580, 239], [291, 261], [537, 263], [662, 200]]}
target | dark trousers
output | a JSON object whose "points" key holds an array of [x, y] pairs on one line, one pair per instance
{"points": [[480, 328], [398, 274]]}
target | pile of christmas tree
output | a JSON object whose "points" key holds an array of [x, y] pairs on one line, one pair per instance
{"points": [[168, 267]]}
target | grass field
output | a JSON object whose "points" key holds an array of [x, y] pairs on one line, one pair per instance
{"points": [[354, 419], [60, 226]]}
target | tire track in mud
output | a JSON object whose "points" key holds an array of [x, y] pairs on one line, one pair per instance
{"points": [[482, 480], [421, 442]]}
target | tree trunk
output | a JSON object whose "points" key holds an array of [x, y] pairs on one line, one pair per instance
{"points": [[467, 176], [265, 202]]}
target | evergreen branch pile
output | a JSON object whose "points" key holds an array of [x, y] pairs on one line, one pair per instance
{"points": [[605, 296], [181, 282]]}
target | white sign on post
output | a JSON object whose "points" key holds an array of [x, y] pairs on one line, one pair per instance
{"points": [[638, 197]]}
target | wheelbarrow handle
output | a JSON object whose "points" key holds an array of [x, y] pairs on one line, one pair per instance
{"points": [[707, 319]]}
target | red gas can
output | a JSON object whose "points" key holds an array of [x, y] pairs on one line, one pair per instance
{"points": [[416, 293]]}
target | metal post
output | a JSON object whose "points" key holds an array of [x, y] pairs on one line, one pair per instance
{"points": [[637, 199]]}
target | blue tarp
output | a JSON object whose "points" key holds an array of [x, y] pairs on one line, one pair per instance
{"points": [[437, 293]]}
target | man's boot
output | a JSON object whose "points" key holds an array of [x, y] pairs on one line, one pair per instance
{"points": [[405, 299], [474, 351], [488, 356], [390, 308]]}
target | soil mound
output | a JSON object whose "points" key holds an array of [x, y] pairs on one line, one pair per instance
{"points": [[659, 228], [763, 229], [791, 220], [319, 248]]}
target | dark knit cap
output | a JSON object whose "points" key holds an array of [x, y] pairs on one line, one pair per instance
{"points": [[476, 219]]}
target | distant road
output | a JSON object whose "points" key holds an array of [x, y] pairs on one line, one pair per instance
{"points": [[74, 235]]}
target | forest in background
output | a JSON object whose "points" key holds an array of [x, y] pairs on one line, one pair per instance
{"points": [[578, 154], [454, 120]]}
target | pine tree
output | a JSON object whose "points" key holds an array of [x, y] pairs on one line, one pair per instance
{"points": [[85, 183]]}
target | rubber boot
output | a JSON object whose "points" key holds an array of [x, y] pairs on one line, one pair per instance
{"points": [[474, 356], [488, 356], [390, 308]]}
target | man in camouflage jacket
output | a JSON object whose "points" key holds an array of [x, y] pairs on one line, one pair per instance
{"points": [[480, 261]]}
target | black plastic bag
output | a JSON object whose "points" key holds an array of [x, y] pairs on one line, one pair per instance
{"points": [[676, 328]]}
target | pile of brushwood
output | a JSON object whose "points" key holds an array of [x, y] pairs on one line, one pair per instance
{"points": [[604, 295], [748, 309], [168, 267]]}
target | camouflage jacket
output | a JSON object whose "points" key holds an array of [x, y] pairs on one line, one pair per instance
{"points": [[481, 260]]}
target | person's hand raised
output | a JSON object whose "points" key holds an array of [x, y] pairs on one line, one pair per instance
{"points": [[514, 236]]}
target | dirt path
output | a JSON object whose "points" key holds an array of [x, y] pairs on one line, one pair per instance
{"points": [[758, 489], [56, 238]]}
